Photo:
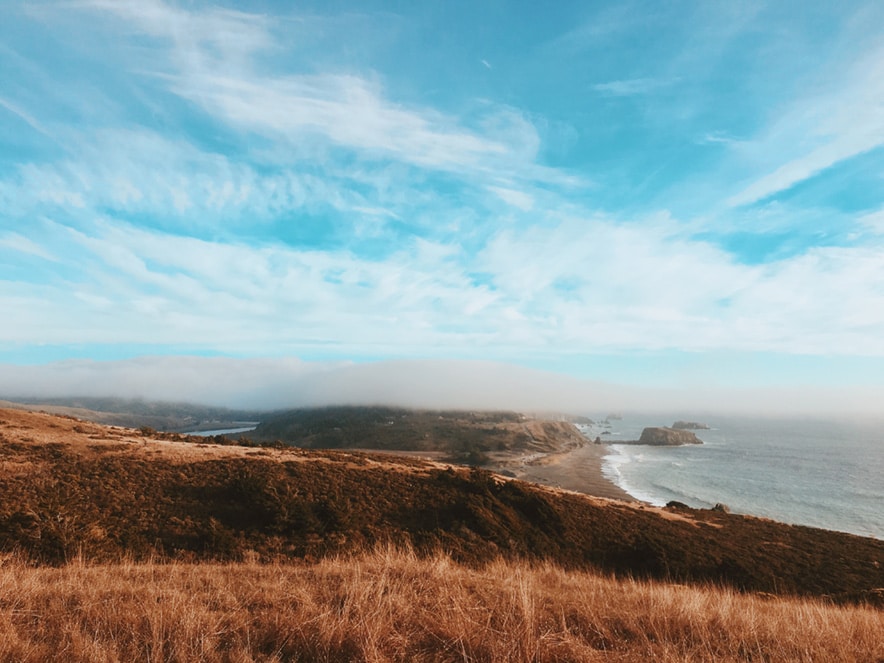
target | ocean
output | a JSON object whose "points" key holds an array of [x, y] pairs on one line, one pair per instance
{"points": [[827, 474]]}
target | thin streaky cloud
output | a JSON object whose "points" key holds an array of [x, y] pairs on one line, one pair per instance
{"points": [[631, 87], [347, 109], [715, 137], [26, 117], [22, 244], [524, 201], [847, 122]]}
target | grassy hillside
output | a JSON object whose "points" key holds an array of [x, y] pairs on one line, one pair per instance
{"points": [[78, 490], [136, 413], [390, 605], [464, 436]]}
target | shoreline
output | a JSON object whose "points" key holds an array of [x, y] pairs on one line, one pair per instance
{"points": [[578, 470]]}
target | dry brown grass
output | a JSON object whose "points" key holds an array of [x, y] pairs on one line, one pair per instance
{"points": [[393, 606], [71, 488]]}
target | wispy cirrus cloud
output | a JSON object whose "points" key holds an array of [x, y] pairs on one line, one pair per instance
{"points": [[347, 109], [820, 130], [21, 244], [315, 143], [24, 115], [202, 37], [524, 201], [136, 170], [632, 87], [717, 137]]}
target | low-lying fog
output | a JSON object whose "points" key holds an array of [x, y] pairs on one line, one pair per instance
{"points": [[280, 383]]}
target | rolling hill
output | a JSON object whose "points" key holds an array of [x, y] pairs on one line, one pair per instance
{"points": [[73, 489]]}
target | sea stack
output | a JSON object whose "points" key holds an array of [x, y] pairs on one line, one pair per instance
{"points": [[689, 425], [668, 437]]}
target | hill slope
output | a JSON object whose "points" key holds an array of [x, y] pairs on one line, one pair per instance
{"points": [[389, 605], [72, 488], [472, 437], [136, 413]]}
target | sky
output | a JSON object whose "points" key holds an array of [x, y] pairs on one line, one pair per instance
{"points": [[677, 202]]}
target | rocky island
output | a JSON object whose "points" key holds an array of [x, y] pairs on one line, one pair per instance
{"points": [[661, 436], [689, 425]]}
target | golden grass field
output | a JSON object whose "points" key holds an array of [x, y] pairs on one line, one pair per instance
{"points": [[391, 605]]}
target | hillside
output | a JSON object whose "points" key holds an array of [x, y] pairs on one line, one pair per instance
{"points": [[389, 605], [472, 437], [75, 489], [136, 413]]}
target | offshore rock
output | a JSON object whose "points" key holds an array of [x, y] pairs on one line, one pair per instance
{"points": [[689, 425], [668, 437]]}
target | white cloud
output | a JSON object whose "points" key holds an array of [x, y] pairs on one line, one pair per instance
{"points": [[216, 33], [23, 115], [217, 59], [583, 285], [718, 137], [168, 288], [346, 109], [22, 244], [874, 222], [603, 285], [631, 87], [139, 171], [524, 201], [820, 130]]}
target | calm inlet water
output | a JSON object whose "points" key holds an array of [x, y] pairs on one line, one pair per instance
{"points": [[223, 431], [819, 473]]}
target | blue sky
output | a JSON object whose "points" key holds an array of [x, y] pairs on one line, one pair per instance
{"points": [[655, 194]]}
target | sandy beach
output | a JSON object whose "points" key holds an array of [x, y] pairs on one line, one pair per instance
{"points": [[579, 470], [576, 468]]}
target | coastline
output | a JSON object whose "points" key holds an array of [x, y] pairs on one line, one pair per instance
{"points": [[578, 470]]}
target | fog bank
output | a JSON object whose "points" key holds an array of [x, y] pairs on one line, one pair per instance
{"points": [[282, 383]]}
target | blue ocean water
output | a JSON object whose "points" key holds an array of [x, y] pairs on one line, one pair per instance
{"points": [[827, 474]]}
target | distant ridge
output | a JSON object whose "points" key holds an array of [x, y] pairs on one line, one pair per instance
{"points": [[473, 437], [134, 413]]}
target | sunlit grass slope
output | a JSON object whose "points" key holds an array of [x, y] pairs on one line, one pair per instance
{"points": [[390, 605]]}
